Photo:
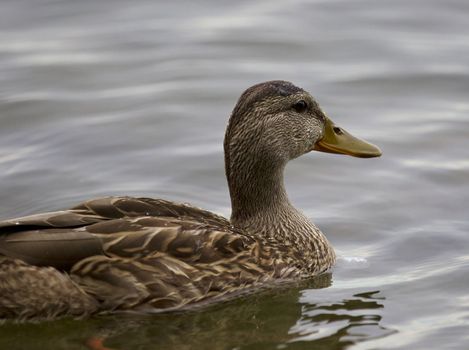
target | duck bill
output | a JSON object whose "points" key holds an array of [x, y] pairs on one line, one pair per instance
{"points": [[337, 140]]}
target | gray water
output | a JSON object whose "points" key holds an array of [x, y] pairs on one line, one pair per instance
{"points": [[105, 98]]}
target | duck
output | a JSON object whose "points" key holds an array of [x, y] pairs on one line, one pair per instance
{"points": [[127, 254]]}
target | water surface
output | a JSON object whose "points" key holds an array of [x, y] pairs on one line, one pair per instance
{"points": [[132, 98]]}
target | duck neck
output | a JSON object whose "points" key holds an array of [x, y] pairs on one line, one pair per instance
{"points": [[261, 208], [260, 205], [257, 192]]}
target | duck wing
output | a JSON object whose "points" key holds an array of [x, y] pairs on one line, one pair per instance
{"points": [[122, 253], [112, 226]]}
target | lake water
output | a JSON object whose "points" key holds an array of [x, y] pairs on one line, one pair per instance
{"points": [[105, 98]]}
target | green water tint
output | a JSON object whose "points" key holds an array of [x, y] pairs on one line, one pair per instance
{"points": [[270, 319]]}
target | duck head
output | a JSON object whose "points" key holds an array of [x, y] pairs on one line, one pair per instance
{"points": [[272, 123], [276, 121]]}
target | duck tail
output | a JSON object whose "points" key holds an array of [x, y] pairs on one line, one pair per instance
{"points": [[31, 292]]}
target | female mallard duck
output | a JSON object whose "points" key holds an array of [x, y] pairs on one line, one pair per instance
{"points": [[143, 254]]}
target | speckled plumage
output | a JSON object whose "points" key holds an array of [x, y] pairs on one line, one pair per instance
{"points": [[123, 253]]}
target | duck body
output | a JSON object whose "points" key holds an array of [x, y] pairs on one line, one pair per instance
{"points": [[143, 254], [151, 255]]}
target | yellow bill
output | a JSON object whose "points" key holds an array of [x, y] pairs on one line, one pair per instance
{"points": [[337, 140]]}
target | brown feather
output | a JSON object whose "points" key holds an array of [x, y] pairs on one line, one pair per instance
{"points": [[124, 253]]}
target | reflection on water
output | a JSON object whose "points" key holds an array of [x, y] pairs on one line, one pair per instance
{"points": [[338, 325], [271, 319]]}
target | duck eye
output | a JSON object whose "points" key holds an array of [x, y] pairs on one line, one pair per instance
{"points": [[300, 106]]}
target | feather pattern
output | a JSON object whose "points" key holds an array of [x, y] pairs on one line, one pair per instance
{"points": [[151, 254]]}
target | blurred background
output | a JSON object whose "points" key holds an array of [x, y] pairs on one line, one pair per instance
{"points": [[116, 97]]}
